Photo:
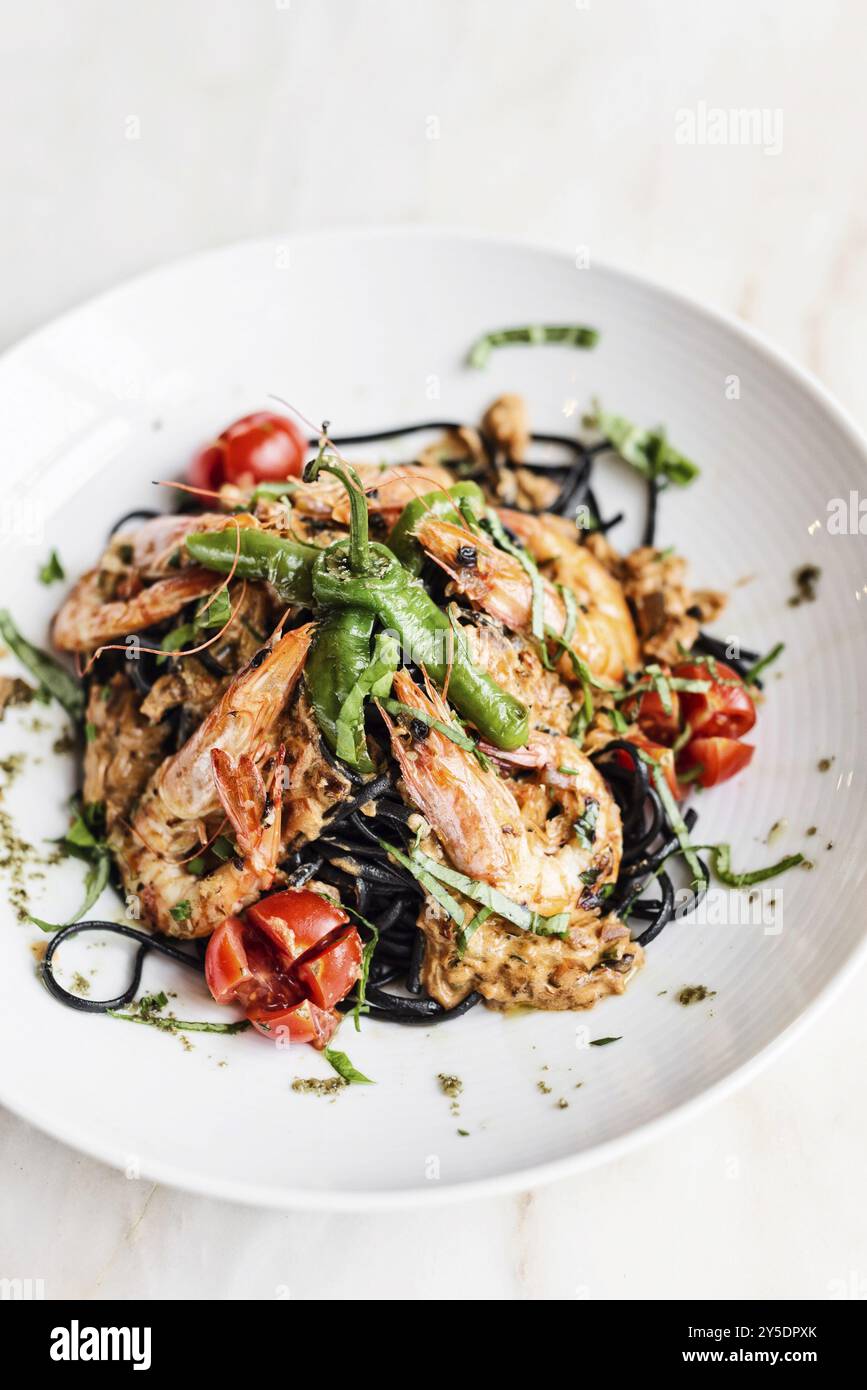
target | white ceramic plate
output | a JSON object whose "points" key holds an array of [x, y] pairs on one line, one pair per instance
{"points": [[371, 330]]}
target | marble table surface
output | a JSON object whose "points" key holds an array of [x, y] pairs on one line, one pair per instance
{"points": [[135, 134]]}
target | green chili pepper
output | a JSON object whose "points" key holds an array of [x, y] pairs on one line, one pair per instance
{"points": [[402, 541], [284, 563], [364, 575], [339, 656]]}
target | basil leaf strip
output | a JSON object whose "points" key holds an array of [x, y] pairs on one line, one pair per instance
{"points": [[51, 675]]}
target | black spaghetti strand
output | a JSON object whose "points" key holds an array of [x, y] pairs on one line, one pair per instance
{"points": [[653, 491], [145, 944], [138, 514]]}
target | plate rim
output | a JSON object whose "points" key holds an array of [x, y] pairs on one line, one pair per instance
{"points": [[300, 1199]]}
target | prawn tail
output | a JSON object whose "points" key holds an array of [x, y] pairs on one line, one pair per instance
{"points": [[254, 813]]}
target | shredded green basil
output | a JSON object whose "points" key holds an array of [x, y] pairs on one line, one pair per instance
{"points": [[179, 1025], [573, 335], [342, 1065], [678, 824], [450, 731], [647, 451], [431, 885], [723, 870], [585, 825], [570, 603], [52, 570], [528, 564], [53, 678], [756, 670], [420, 863], [95, 880], [211, 613], [471, 928]]}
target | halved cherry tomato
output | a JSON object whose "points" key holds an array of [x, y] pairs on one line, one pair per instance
{"points": [[649, 712], [719, 758], [288, 963], [306, 1023], [297, 921], [725, 710], [257, 448], [226, 966], [243, 967], [660, 754]]}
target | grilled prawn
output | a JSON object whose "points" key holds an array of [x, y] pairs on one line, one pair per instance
{"points": [[497, 583], [546, 843], [218, 771]]}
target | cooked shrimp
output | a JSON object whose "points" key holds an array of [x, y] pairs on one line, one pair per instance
{"points": [[218, 767], [246, 713], [553, 540], [155, 547], [497, 583], [172, 898], [534, 840], [86, 619]]}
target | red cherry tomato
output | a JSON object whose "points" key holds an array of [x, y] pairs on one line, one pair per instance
{"points": [[226, 966], [660, 754], [649, 712], [258, 448], [287, 964], [724, 711], [719, 759], [304, 1024], [297, 921]]}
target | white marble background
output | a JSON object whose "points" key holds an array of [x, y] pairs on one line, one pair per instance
{"points": [[556, 120]]}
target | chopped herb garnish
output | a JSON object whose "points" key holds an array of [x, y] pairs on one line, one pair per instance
{"points": [[429, 871], [573, 335], [648, 451], [52, 570], [451, 1086], [344, 1068], [756, 670], [179, 1025], [723, 869], [678, 824], [603, 1042], [182, 911], [585, 825], [694, 994], [83, 842], [95, 880], [528, 564], [54, 680], [316, 1086], [806, 578], [471, 928], [450, 731]]}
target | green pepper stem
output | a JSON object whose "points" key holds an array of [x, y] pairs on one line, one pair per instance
{"points": [[359, 547]]}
